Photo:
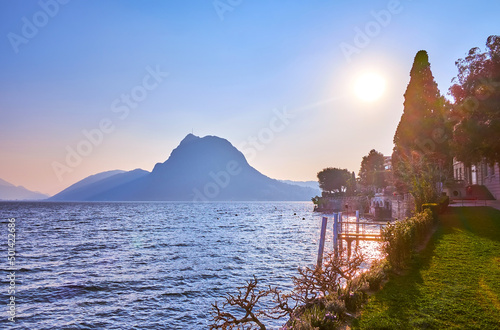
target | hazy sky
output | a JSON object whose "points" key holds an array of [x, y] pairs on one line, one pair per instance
{"points": [[90, 86]]}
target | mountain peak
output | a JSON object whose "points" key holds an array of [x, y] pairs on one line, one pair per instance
{"points": [[190, 138], [199, 169], [200, 153]]}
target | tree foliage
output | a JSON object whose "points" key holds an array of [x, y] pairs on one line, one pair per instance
{"points": [[476, 93], [424, 128], [334, 180], [421, 177], [351, 185], [371, 173]]}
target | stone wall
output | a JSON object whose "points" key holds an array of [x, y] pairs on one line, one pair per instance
{"points": [[403, 206], [343, 204]]}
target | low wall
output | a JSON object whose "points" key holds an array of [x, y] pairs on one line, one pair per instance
{"points": [[343, 204], [403, 206]]}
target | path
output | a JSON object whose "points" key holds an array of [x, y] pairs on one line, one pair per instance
{"points": [[493, 203]]}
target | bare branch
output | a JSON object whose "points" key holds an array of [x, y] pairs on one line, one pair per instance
{"points": [[247, 299]]}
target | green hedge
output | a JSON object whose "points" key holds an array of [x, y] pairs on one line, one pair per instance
{"points": [[434, 207], [443, 203], [402, 237]]}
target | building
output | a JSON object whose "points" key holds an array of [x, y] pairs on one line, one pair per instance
{"points": [[388, 163], [482, 174]]}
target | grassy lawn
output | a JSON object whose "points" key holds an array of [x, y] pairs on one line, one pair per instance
{"points": [[453, 283]]}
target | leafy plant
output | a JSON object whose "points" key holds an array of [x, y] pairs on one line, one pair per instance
{"points": [[402, 237], [376, 274]]}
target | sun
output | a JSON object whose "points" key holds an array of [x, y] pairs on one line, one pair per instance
{"points": [[369, 87]]}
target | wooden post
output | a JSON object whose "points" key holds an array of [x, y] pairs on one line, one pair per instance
{"points": [[357, 227], [319, 263], [340, 230], [349, 248], [335, 234]]}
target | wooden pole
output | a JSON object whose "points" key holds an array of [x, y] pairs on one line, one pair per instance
{"points": [[335, 234], [357, 227], [349, 248], [357, 221], [322, 242], [340, 230]]}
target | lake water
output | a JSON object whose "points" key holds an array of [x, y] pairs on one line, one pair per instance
{"points": [[147, 265]]}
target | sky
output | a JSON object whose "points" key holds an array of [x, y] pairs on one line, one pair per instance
{"points": [[91, 86]]}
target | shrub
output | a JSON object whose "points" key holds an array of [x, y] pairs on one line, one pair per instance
{"points": [[376, 274], [320, 299], [314, 318], [444, 201], [434, 207], [402, 237], [353, 300]]}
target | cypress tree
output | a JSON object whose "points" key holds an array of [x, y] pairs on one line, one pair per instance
{"points": [[421, 141]]}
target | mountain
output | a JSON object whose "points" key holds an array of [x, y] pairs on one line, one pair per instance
{"points": [[92, 179], [309, 184], [94, 185], [10, 192], [199, 169]]}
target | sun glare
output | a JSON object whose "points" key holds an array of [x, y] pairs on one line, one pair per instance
{"points": [[369, 87]]}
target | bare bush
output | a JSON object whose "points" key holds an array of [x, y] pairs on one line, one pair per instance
{"points": [[336, 272], [332, 288], [246, 299]]}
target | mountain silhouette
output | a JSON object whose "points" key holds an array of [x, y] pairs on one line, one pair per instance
{"points": [[89, 188], [8, 191], [199, 169], [309, 184]]}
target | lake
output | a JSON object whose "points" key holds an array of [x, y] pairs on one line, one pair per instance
{"points": [[148, 265]]}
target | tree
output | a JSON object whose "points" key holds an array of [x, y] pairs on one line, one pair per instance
{"points": [[476, 93], [423, 131], [351, 185], [421, 176], [423, 116], [334, 180], [371, 173]]}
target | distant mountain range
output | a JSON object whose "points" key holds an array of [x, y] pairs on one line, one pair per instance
{"points": [[92, 187], [199, 169], [9, 191], [309, 184]]}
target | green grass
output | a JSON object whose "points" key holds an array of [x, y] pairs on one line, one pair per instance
{"points": [[453, 283]]}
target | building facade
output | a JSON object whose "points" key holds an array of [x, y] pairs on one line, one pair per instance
{"points": [[479, 174]]}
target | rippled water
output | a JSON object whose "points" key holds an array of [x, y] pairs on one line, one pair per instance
{"points": [[148, 265]]}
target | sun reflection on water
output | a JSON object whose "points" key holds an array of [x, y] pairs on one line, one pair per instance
{"points": [[371, 250]]}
